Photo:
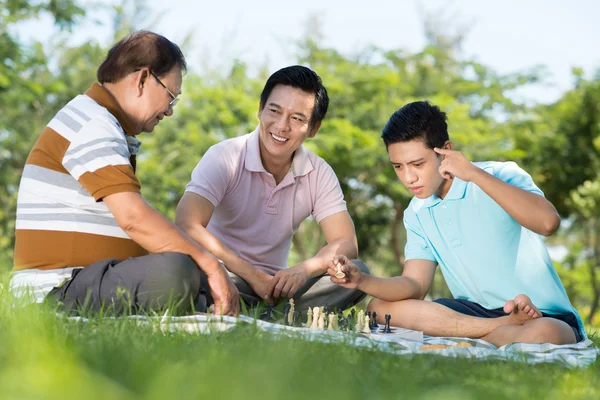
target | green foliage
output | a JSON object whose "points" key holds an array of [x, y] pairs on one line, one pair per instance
{"points": [[558, 144]]}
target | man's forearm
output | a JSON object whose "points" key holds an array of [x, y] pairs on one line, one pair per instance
{"points": [[530, 210], [157, 234], [390, 289], [317, 265], [234, 263]]}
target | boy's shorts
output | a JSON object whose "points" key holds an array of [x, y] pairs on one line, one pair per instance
{"points": [[469, 308]]}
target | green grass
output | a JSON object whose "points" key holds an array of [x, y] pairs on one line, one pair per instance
{"points": [[44, 356]]}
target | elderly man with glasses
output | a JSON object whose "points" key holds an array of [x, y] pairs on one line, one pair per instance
{"points": [[85, 237]]}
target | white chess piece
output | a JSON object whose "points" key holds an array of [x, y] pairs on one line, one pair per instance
{"points": [[315, 321], [331, 326], [290, 316], [339, 273], [310, 318], [321, 324], [336, 322], [366, 328], [360, 320]]}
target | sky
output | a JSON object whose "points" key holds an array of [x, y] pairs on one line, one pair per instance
{"points": [[508, 35]]}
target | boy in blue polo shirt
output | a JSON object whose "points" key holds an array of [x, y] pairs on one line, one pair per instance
{"points": [[482, 223]]}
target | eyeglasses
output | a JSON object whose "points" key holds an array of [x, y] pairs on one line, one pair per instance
{"points": [[174, 99]]}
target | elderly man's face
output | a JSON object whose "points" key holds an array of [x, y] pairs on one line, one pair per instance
{"points": [[159, 95]]}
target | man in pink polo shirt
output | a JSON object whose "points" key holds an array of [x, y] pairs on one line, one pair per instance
{"points": [[248, 196]]}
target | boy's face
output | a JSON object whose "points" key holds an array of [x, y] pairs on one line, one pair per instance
{"points": [[417, 166]]}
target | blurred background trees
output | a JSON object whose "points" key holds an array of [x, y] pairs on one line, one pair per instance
{"points": [[557, 143]]}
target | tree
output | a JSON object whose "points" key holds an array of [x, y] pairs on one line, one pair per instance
{"points": [[27, 92]]}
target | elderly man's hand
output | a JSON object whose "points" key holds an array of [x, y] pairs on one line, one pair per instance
{"points": [[224, 292]]}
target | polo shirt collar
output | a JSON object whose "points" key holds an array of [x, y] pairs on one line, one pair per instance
{"points": [[103, 97], [301, 164], [457, 191]]}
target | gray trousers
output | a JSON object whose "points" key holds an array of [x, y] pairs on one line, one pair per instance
{"points": [[317, 292], [148, 285]]}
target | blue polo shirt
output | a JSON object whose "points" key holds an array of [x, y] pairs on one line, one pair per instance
{"points": [[485, 255]]}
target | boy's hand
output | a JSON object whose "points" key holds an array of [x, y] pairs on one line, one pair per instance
{"points": [[456, 164], [353, 275]]}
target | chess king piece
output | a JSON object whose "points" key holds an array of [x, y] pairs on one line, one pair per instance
{"points": [[367, 327]]}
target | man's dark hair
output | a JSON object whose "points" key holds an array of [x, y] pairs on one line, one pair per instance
{"points": [[303, 78], [141, 49], [418, 120]]}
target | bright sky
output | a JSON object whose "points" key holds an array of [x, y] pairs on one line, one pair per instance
{"points": [[508, 35]]}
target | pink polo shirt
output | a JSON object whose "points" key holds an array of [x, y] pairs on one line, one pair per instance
{"points": [[254, 217]]}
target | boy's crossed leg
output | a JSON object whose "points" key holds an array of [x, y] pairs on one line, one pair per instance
{"points": [[524, 322]]}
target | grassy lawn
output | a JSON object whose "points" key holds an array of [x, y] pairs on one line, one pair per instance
{"points": [[43, 356]]}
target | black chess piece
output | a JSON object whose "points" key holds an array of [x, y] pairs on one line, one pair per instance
{"points": [[286, 311], [353, 313], [374, 324], [387, 328], [342, 322], [269, 312]]}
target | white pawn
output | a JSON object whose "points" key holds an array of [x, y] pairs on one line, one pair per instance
{"points": [[336, 322], [331, 325], [367, 328], [315, 321], [310, 318], [321, 324]]}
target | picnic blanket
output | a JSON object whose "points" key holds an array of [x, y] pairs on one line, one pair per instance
{"points": [[405, 342]]}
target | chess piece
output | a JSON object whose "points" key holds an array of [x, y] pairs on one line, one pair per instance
{"points": [[315, 322], [360, 321], [309, 319], [374, 324], [339, 274], [286, 311], [331, 325], [367, 327], [290, 314], [387, 328], [321, 323], [269, 313]]}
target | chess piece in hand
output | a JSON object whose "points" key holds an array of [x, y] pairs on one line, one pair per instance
{"points": [[352, 275]]}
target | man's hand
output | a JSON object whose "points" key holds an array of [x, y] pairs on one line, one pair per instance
{"points": [[456, 164], [261, 284], [224, 292], [286, 282], [353, 274]]}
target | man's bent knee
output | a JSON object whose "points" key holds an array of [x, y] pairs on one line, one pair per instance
{"points": [[175, 281], [546, 330]]}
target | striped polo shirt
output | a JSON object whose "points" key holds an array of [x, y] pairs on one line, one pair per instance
{"points": [[85, 153]]}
